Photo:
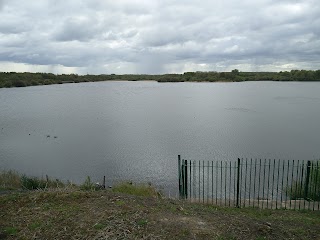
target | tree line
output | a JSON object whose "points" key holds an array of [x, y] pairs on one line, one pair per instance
{"points": [[14, 79]]}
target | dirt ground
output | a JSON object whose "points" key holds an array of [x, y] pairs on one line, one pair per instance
{"points": [[109, 215]]}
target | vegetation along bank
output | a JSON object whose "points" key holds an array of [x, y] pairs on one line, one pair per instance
{"points": [[127, 211], [13, 79]]}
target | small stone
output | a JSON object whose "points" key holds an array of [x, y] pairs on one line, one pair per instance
{"points": [[180, 208]]}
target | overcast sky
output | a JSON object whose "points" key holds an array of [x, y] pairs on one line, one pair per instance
{"points": [[158, 36]]}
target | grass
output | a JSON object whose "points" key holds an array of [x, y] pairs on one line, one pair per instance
{"points": [[12, 180], [88, 185], [135, 211], [136, 189], [9, 180], [10, 230], [34, 226], [99, 226], [78, 214]]}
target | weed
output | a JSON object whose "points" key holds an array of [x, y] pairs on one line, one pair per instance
{"points": [[142, 222], [9, 198], [260, 238], [32, 183], [120, 202], [10, 230], [9, 180], [34, 225], [99, 226], [138, 190], [88, 185]]}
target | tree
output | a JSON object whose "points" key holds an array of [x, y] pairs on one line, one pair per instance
{"points": [[235, 71]]}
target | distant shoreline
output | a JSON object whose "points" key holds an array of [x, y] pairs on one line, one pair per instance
{"points": [[13, 79]]}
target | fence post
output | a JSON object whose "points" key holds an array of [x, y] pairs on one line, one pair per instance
{"points": [[238, 183], [306, 186], [185, 179], [179, 176]]}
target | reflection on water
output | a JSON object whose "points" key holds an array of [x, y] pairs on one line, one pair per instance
{"points": [[135, 130]]}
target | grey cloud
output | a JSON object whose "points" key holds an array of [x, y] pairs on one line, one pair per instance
{"points": [[2, 4], [77, 29], [139, 36]]}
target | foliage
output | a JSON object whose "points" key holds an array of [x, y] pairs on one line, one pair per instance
{"points": [[314, 191], [13, 79], [10, 180], [32, 183], [88, 185], [297, 190], [136, 189]]}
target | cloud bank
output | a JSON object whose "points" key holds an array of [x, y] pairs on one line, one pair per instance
{"points": [[160, 36]]}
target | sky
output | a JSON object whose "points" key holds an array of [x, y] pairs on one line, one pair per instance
{"points": [[158, 36]]}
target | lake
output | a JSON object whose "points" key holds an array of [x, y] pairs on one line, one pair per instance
{"points": [[135, 130]]}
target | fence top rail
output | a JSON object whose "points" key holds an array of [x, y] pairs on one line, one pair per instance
{"points": [[252, 162], [248, 160]]}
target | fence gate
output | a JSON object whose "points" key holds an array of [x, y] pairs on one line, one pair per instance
{"points": [[263, 183]]}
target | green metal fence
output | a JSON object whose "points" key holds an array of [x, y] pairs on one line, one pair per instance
{"points": [[263, 183]]}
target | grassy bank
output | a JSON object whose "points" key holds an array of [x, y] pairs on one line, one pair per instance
{"points": [[75, 214], [55, 210]]}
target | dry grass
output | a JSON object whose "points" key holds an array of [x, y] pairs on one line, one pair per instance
{"points": [[77, 214], [9, 180], [136, 189], [12, 180]]}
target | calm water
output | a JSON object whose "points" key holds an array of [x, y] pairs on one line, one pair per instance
{"points": [[135, 130]]}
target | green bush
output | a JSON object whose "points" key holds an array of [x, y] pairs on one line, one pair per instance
{"points": [[32, 183], [18, 83], [10, 180], [7, 84], [314, 185], [297, 190], [34, 83]]}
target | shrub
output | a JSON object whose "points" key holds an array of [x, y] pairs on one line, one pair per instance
{"points": [[47, 82], [10, 180], [32, 183], [34, 83], [18, 83], [7, 84], [297, 190]]}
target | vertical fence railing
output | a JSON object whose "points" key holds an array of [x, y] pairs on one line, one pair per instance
{"points": [[262, 183]]}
